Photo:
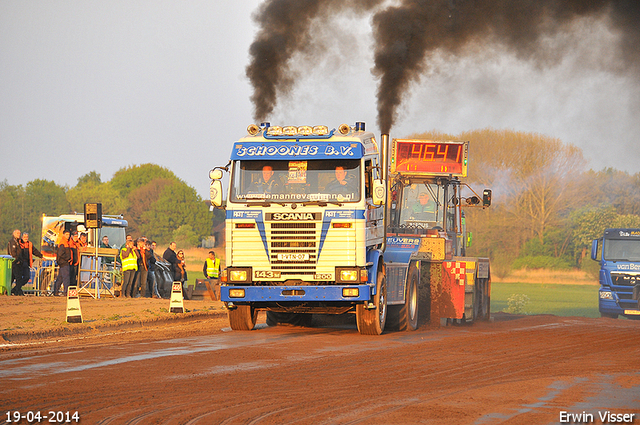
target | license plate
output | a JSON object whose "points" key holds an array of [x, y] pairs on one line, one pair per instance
{"points": [[632, 312], [293, 257]]}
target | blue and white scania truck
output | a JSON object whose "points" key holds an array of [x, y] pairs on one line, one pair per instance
{"points": [[305, 225], [618, 252]]}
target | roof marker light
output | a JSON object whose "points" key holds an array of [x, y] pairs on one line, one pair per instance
{"points": [[321, 130], [274, 131], [290, 130], [305, 130], [344, 129]]}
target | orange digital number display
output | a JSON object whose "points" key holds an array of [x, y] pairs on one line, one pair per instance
{"points": [[422, 156]]}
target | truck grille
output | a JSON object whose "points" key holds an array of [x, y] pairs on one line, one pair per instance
{"points": [[294, 248], [623, 285]]}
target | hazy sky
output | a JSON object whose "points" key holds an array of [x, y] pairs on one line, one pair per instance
{"points": [[100, 85]]}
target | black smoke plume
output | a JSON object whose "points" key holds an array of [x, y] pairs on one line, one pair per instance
{"points": [[284, 30], [407, 34]]}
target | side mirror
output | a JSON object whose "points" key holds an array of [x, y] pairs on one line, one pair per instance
{"points": [[215, 192], [215, 174], [486, 198], [379, 192], [594, 250]]}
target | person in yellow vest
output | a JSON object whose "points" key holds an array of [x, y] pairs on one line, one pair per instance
{"points": [[129, 260], [211, 267]]}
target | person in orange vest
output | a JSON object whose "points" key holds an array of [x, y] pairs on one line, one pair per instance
{"points": [[83, 240], [129, 261], [28, 251], [74, 244], [64, 259]]}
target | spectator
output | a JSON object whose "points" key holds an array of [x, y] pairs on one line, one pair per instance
{"points": [[83, 240], [74, 244], [211, 268], [105, 242], [14, 249], [28, 251], [129, 267], [181, 268], [143, 269], [64, 259], [171, 258], [152, 285]]}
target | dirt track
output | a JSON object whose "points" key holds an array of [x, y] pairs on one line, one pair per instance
{"points": [[514, 370]]}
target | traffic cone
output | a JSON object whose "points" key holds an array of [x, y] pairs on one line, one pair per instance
{"points": [[74, 314], [177, 304]]}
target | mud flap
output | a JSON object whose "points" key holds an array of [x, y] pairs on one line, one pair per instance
{"points": [[441, 292]]}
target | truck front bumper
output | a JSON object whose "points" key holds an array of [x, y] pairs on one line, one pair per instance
{"points": [[328, 293]]}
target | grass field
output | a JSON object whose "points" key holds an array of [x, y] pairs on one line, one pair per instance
{"points": [[557, 299]]}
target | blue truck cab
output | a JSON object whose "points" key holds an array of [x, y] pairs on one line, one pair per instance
{"points": [[618, 252]]}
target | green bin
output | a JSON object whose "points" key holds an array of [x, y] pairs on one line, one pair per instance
{"points": [[6, 263]]}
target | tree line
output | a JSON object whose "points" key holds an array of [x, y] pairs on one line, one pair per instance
{"points": [[155, 202], [547, 206]]}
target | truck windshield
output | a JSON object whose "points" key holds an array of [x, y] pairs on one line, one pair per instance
{"points": [[420, 206], [622, 250], [296, 181], [117, 236]]}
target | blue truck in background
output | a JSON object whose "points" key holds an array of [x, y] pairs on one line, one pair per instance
{"points": [[618, 252]]}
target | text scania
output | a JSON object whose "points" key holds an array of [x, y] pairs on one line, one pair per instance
{"points": [[292, 216], [296, 150]]}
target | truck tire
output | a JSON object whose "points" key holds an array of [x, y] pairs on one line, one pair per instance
{"points": [[481, 300], [373, 321], [408, 315], [243, 317]]}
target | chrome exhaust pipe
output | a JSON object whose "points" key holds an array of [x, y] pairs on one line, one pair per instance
{"points": [[384, 153]]}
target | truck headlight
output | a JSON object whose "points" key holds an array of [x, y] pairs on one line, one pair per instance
{"points": [[349, 275], [239, 275], [606, 295]]}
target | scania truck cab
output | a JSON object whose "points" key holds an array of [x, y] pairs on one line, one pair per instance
{"points": [[304, 225]]}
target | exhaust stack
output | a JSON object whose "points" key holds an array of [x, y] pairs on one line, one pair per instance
{"points": [[384, 151]]}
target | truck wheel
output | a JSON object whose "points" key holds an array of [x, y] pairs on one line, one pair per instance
{"points": [[408, 320], [481, 300], [243, 317], [372, 321]]}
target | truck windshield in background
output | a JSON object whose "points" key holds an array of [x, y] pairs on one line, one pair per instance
{"points": [[421, 206], [621, 249], [296, 180]]}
